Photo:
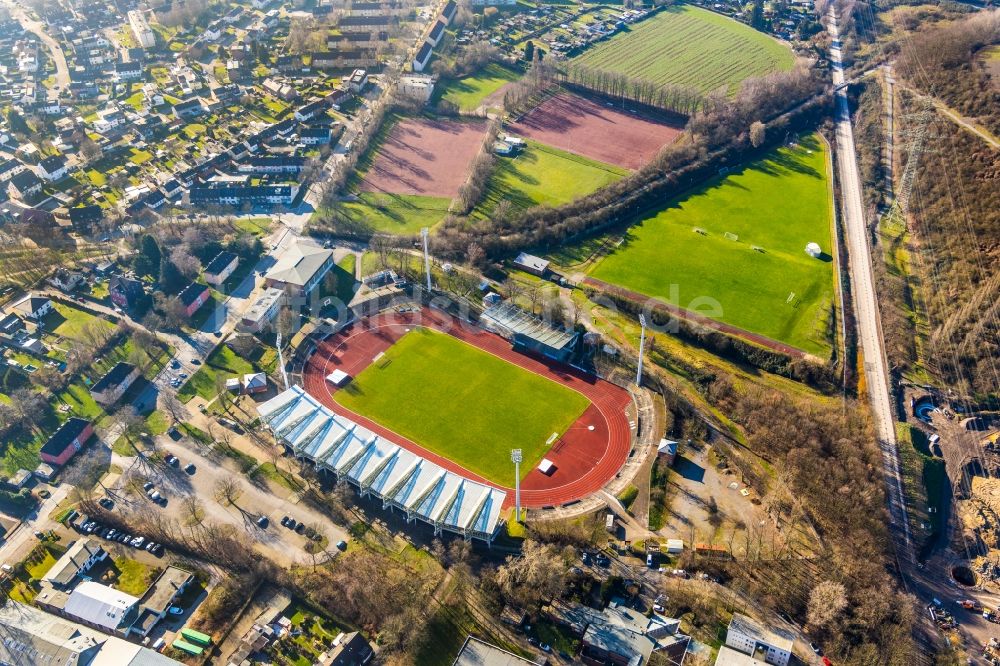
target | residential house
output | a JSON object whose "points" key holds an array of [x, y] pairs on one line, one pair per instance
{"points": [[191, 108], [144, 35], [32, 307], [10, 168], [348, 650], [76, 561], [193, 297], [125, 292], [358, 80], [11, 325], [254, 195], [310, 110], [273, 164], [221, 267], [423, 57], [112, 386], [753, 638], [317, 135], [254, 382], [66, 441], [84, 217], [65, 279], [280, 90], [24, 185], [128, 71], [434, 37], [382, 21], [53, 168]]}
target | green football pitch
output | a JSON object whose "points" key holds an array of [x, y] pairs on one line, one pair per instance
{"points": [[690, 46], [463, 403], [759, 274]]}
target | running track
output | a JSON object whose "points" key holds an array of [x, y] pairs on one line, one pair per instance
{"points": [[585, 459]]}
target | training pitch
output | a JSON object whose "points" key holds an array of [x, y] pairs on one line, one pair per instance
{"points": [[775, 206], [463, 403], [684, 45], [595, 130], [425, 157], [544, 176]]}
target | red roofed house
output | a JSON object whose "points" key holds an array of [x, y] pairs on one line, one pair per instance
{"points": [[66, 441], [193, 297]]}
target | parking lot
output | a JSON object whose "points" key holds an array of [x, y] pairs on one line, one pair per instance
{"points": [[201, 473]]}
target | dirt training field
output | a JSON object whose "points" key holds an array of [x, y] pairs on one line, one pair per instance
{"points": [[426, 157], [594, 130]]}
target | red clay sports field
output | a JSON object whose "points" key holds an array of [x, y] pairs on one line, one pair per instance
{"points": [[585, 459]]}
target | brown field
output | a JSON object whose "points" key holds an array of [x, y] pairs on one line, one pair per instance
{"points": [[594, 130], [426, 157]]}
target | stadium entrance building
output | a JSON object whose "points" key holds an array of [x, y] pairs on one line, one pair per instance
{"points": [[528, 333]]}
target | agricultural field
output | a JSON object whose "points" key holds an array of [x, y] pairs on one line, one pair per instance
{"points": [[376, 212], [685, 45], [470, 92], [462, 403], [544, 176], [770, 286], [424, 157], [602, 132]]}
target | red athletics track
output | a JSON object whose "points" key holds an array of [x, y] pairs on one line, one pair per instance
{"points": [[585, 459]]}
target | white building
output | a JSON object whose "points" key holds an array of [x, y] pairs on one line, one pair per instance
{"points": [[752, 638], [416, 86], [101, 606], [140, 28], [263, 311]]}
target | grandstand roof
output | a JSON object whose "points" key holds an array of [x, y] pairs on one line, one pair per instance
{"points": [[514, 320], [372, 462]]}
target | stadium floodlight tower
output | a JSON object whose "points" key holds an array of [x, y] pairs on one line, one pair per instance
{"points": [[424, 233], [642, 348], [517, 457]]}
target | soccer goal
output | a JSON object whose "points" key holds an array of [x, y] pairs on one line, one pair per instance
{"points": [[791, 297], [699, 230], [758, 248], [731, 236]]}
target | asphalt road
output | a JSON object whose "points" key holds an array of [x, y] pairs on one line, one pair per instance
{"points": [[36, 27], [866, 303]]}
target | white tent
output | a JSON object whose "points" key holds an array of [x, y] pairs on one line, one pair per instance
{"points": [[337, 377]]}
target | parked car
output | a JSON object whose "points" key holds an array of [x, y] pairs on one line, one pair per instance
{"points": [[138, 541], [262, 521], [147, 486], [190, 468], [106, 503], [814, 648], [341, 545], [176, 610]]}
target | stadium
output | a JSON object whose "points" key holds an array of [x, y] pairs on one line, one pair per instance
{"points": [[421, 410]]}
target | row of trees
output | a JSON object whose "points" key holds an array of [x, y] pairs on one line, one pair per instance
{"points": [[472, 190], [676, 98]]}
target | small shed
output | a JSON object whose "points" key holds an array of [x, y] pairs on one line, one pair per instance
{"points": [[668, 449], [546, 467]]}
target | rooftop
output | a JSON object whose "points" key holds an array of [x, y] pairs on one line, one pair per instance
{"points": [[66, 433], [114, 377], [99, 604], [220, 263], [68, 566], [751, 627], [299, 263], [478, 653]]}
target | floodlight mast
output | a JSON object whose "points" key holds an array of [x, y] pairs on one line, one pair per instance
{"points": [[516, 457], [642, 347], [424, 233]]}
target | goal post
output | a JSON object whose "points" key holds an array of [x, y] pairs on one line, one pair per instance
{"points": [[731, 236]]}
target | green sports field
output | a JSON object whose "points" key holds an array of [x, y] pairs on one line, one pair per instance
{"points": [[469, 92], [390, 213], [684, 45], [545, 176], [780, 203], [463, 403]]}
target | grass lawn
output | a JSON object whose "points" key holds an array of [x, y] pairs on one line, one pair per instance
{"points": [[133, 577], [685, 45], [224, 363], [546, 176], [390, 213], [463, 403], [69, 322], [469, 92], [780, 203]]}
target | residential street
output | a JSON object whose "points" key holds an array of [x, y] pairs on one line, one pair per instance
{"points": [[36, 27]]}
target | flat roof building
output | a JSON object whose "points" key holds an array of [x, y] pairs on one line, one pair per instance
{"points": [[479, 653], [753, 638]]}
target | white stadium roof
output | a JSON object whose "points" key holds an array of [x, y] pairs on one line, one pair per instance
{"points": [[378, 466]]}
